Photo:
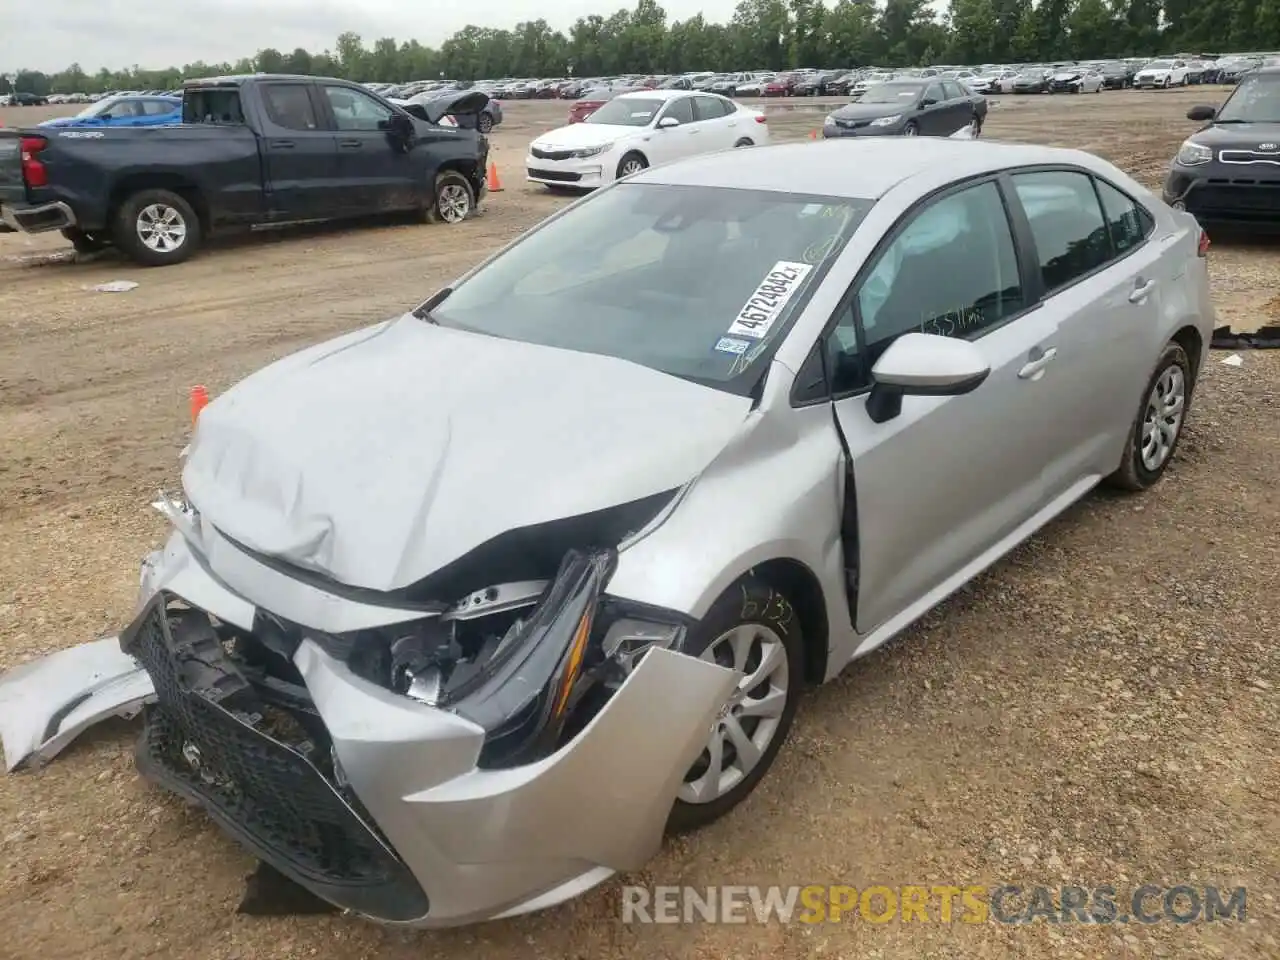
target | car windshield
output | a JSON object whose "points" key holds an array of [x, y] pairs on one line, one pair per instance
{"points": [[99, 108], [1159, 65], [696, 282], [892, 93], [627, 112], [1255, 100]]}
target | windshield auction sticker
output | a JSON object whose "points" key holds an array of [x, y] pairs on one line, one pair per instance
{"points": [[765, 304]]}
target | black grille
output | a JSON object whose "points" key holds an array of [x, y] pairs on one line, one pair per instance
{"points": [[564, 176], [541, 154], [1261, 200], [207, 738]]}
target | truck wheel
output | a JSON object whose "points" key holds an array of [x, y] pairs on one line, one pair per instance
{"points": [[454, 199], [85, 242], [157, 228]]}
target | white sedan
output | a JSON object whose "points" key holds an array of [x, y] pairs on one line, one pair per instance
{"points": [[1162, 73], [638, 130]]}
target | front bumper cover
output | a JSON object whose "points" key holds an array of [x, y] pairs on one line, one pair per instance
{"points": [[391, 815]]}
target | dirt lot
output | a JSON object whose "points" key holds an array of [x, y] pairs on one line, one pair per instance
{"points": [[1099, 709]]}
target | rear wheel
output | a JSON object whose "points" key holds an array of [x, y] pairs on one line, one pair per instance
{"points": [[1158, 425], [156, 228], [485, 124], [744, 142]]}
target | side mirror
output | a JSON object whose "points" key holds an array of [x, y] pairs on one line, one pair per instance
{"points": [[666, 123], [400, 127], [1202, 113], [928, 102], [104, 116], [923, 365]]}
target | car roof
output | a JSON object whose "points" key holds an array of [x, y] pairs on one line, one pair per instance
{"points": [[864, 168], [656, 94]]}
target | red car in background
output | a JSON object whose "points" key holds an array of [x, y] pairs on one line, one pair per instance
{"points": [[593, 100], [780, 86]]}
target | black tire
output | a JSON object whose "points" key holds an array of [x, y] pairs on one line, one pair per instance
{"points": [[1133, 475], [744, 142], [630, 158], [126, 226], [454, 199], [911, 129], [485, 124], [750, 602], [86, 242]]}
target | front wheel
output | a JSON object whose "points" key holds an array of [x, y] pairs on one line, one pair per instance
{"points": [[911, 129], [631, 163], [454, 199], [156, 228], [752, 629], [1158, 425]]}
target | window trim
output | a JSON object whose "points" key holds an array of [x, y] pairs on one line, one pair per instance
{"points": [[319, 105], [849, 300], [318, 93], [697, 108], [1043, 292]]}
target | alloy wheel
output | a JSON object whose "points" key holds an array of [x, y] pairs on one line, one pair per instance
{"points": [[454, 203], [161, 228], [749, 720], [1163, 418]]}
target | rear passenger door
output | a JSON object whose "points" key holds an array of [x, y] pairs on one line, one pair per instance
{"points": [[959, 106], [301, 153], [1099, 270], [949, 478], [718, 120], [377, 174]]}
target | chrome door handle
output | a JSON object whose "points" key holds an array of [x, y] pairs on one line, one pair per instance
{"points": [[1141, 291], [1033, 369]]}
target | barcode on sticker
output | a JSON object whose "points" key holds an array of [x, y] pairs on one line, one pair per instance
{"points": [[764, 305]]}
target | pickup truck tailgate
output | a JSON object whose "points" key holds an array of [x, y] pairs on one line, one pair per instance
{"points": [[12, 187]]}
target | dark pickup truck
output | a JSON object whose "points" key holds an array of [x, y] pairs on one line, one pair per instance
{"points": [[250, 150]]}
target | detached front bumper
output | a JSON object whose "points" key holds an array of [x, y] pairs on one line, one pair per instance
{"points": [[377, 802], [37, 218]]}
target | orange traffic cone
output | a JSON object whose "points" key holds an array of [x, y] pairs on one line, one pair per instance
{"points": [[199, 400], [494, 184], [813, 134]]}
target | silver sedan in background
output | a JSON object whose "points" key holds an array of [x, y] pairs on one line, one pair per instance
{"points": [[463, 610]]}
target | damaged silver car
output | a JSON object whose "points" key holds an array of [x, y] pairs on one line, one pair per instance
{"points": [[460, 612]]}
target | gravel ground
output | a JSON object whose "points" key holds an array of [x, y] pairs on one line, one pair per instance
{"points": [[1100, 708]]}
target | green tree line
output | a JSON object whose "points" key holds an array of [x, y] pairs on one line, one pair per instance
{"points": [[762, 34]]}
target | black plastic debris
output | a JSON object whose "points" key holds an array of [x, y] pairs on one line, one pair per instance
{"points": [[269, 893], [1265, 338]]}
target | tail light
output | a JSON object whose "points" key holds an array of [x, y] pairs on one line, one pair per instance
{"points": [[33, 171], [1202, 248], [761, 118]]}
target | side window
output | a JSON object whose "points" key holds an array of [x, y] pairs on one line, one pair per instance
{"points": [[710, 108], [1066, 223], [681, 109], [157, 108], [934, 93], [289, 106], [353, 110], [1129, 223], [952, 89], [951, 271]]}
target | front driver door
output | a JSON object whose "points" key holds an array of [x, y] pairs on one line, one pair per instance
{"points": [[301, 156], [933, 111], [949, 478], [377, 173]]}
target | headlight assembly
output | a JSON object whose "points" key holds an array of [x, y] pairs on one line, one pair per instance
{"points": [[591, 151], [1191, 154], [886, 121]]}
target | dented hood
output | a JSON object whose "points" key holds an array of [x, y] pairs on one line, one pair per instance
{"points": [[377, 458]]}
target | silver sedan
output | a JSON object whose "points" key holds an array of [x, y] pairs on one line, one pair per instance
{"points": [[460, 612]]}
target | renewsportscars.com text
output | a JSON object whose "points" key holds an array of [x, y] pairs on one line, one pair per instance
{"points": [[972, 904]]}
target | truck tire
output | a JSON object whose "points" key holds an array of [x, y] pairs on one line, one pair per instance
{"points": [[156, 228], [454, 199]]}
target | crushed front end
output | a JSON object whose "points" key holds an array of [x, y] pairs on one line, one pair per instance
{"points": [[469, 760]]}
